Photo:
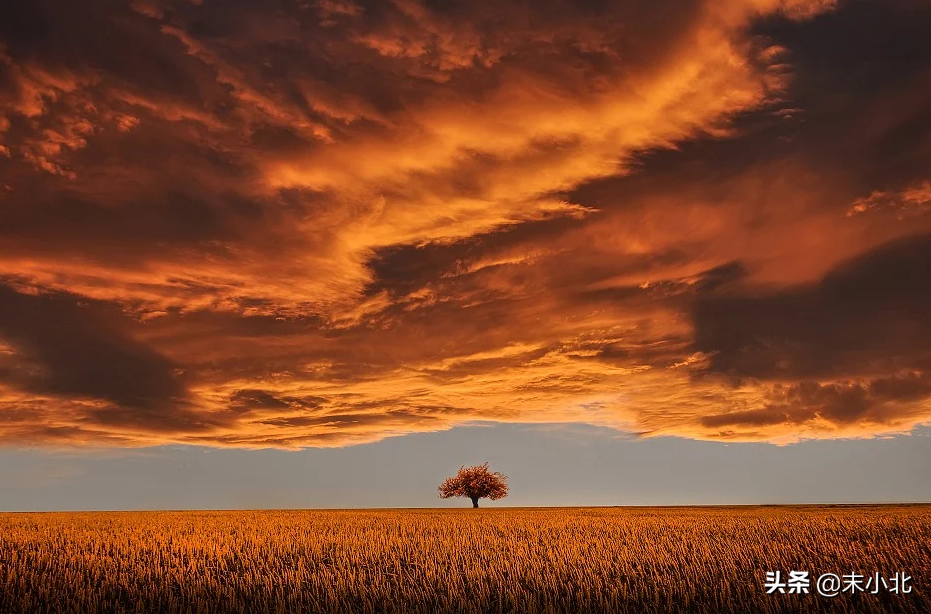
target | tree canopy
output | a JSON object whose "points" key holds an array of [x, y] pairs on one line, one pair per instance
{"points": [[476, 482]]}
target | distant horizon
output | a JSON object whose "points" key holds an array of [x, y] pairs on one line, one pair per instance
{"points": [[465, 507]]}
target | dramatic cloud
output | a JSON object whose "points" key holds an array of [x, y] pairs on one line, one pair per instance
{"points": [[299, 223]]}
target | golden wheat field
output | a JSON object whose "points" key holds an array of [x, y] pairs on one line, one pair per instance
{"points": [[486, 560]]}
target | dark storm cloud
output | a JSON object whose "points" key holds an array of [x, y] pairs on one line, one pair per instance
{"points": [[259, 399], [76, 348], [877, 402], [861, 82], [83, 36], [405, 268], [869, 313]]}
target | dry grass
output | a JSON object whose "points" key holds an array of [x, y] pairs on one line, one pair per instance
{"points": [[487, 560]]}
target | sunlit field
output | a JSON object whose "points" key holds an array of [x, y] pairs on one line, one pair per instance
{"points": [[485, 560]]}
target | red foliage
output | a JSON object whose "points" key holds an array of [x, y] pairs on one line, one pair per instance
{"points": [[475, 483]]}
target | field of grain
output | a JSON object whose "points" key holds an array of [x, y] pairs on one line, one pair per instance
{"points": [[486, 560]]}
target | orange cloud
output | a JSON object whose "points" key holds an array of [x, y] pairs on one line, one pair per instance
{"points": [[328, 225], [914, 200]]}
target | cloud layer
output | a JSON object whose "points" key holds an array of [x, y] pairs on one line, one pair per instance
{"points": [[321, 223]]}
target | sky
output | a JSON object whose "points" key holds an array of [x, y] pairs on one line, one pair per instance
{"points": [[631, 252], [546, 465]]}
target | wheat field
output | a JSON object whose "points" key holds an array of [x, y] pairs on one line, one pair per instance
{"points": [[429, 561]]}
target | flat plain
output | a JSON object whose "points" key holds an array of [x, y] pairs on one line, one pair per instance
{"points": [[684, 559]]}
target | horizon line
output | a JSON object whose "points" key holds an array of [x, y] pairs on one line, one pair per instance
{"points": [[469, 508]]}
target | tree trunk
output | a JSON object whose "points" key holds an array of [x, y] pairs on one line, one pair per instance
{"points": [[474, 501]]}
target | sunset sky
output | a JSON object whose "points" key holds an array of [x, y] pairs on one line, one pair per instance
{"points": [[313, 238]]}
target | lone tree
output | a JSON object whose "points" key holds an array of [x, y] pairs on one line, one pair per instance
{"points": [[475, 483]]}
